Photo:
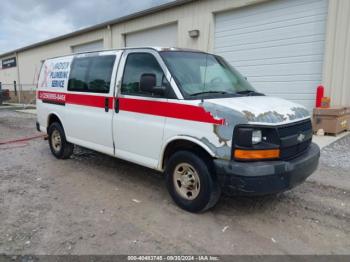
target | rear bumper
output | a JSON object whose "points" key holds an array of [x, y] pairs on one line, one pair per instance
{"points": [[269, 177]]}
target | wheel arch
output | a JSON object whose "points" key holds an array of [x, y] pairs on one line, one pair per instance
{"points": [[183, 143], [53, 117]]}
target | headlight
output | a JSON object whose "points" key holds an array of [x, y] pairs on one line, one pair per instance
{"points": [[253, 143], [256, 137]]}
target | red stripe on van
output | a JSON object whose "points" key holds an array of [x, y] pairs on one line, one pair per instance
{"points": [[156, 108], [89, 100], [167, 109], [75, 99]]}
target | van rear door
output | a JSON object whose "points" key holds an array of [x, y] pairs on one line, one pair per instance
{"points": [[90, 106]]}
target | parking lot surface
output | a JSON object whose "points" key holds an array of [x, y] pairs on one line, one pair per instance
{"points": [[96, 204]]}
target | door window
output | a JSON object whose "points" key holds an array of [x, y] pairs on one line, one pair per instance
{"points": [[138, 64], [91, 74]]}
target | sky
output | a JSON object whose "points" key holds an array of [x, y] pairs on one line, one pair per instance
{"points": [[24, 22]]}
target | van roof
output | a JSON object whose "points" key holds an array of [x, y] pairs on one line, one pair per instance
{"points": [[156, 48]]}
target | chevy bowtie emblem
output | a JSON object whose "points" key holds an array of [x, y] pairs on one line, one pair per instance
{"points": [[301, 137]]}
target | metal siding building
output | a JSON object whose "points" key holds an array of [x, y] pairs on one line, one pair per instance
{"points": [[285, 47]]}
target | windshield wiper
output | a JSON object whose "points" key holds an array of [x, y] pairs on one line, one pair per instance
{"points": [[209, 92], [249, 93]]}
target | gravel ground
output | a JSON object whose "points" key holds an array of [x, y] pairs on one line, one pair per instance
{"points": [[338, 154], [335, 165], [95, 204]]}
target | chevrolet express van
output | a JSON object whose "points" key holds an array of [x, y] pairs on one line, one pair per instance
{"points": [[186, 113]]}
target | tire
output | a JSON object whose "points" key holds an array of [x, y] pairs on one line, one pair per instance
{"points": [[62, 149], [182, 169]]}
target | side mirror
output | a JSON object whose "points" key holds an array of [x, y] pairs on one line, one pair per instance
{"points": [[148, 84]]}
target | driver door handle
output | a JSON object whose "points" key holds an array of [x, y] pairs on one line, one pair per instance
{"points": [[116, 106], [106, 104]]}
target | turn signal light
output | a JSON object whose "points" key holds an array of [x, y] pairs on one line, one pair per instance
{"points": [[256, 154]]}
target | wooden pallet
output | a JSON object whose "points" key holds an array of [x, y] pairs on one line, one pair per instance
{"points": [[333, 134]]}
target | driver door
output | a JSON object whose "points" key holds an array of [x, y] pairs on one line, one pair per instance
{"points": [[138, 131]]}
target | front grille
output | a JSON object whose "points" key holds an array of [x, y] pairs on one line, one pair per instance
{"points": [[290, 145], [294, 128]]}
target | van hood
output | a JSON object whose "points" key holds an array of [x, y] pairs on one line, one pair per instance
{"points": [[255, 110], [263, 110]]}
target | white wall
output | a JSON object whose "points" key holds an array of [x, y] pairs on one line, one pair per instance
{"points": [[336, 69], [278, 45], [88, 47], [159, 36]]}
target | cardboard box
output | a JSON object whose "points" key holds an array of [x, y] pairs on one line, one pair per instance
{"points": [[332, 120], [332, 111], [347, 110], [325, 102]]}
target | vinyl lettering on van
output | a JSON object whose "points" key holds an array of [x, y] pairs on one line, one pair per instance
{"points": [[52, 97], [56, 74]]}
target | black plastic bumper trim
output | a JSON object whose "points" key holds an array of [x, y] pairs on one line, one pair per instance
{"points": [[268, 177]]}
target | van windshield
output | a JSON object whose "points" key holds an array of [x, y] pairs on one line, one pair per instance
{"points": [[201, 75]]}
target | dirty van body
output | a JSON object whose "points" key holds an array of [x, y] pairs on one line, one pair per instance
{"points": [[186, 113]]}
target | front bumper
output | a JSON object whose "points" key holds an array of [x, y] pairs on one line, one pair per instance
{"points": [[268, 177]]}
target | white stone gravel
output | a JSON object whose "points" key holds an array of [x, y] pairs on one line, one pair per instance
{"points": [[337, 155]]}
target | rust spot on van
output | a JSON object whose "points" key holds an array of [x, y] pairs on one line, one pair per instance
{"points": [[299, 112], [275, 117], [223, 132], [231, 119], [223, 151], [266, 117]]}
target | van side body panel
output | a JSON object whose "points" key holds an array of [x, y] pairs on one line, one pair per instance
{"points": [[82, 114]]}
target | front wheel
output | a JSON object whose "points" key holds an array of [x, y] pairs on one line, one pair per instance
{"points": [[190, 182], [59, 146]]}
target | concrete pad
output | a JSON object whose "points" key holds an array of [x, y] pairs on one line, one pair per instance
{"points": [[8, 106], [323, 141], [27, 111], [23, 105]]}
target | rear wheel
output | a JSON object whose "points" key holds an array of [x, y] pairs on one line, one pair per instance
{"points": [[190, 182], [59, 146]]}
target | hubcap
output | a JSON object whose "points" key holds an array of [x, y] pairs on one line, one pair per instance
{"points": [[186, 181], [56, 140]]}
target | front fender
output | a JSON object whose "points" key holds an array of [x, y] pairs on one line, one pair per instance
{"points": [[183, 137]]}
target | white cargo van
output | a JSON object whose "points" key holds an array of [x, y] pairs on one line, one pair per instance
{"points": [[186, 113]]}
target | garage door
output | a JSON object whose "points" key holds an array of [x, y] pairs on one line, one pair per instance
{"points": [[88, 47], [278, 45], [165, 36]]}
